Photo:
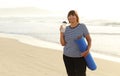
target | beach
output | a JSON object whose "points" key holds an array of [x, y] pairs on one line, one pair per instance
{"points": [[19, 59]]}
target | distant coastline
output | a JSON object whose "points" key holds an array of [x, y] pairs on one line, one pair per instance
{"points": [[27, 12]]}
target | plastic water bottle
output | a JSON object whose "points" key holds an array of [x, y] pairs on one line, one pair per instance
{"points": [[63, 26]]}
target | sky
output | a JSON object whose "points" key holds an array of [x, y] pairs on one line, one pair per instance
{"points": [[85, 8]]}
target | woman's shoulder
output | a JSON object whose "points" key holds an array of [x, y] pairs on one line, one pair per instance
{"points": [[82, 24]]}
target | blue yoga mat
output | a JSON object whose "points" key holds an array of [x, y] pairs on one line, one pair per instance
{"points": [[83, 47]]}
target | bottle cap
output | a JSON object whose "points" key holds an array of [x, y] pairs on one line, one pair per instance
{"points": [[64, 22]]}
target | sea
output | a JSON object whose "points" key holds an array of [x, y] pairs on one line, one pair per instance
{"points": [[105, 33]]}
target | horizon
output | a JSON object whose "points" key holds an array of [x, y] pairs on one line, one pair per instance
{"points": [[93, 9]]}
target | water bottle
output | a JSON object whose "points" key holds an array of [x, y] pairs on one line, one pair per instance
{"points": [[63, 26]]}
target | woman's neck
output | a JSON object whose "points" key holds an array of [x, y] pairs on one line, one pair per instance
{"points": [[74, 24]]}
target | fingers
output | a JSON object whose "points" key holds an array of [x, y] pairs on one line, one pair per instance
{"points": [[62, 29], [84, 54]]}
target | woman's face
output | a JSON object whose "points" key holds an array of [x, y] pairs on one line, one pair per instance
{"points": [[72, 18]]}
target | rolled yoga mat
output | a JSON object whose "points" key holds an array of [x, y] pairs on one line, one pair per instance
{"points": [[83, 47]]}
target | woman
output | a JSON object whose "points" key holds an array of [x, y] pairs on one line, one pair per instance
{"points": [[73, 58]]}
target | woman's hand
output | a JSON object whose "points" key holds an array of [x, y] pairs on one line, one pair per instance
{"points": [[61, 28], [88, 38], [62, 40], [84, 54]]}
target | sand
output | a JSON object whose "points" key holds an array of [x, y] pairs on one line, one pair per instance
{"points": [[19, 59]]}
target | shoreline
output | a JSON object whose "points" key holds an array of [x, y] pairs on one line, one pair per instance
{"points": [[45, 44], [20, 59]]}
